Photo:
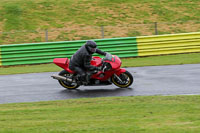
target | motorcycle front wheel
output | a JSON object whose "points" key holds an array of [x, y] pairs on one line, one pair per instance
{"points": [[126, 79], [66, 84]]}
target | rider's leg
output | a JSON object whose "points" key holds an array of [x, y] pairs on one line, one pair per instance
{"points": [[81, 73]]}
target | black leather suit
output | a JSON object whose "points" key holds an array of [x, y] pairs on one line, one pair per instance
{"points": [[80, 61]]}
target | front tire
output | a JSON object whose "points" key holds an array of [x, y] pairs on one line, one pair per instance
{"points": [[126, 78], [66, 84]]}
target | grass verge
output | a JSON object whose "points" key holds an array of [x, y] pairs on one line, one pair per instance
{"points": [[26, 21], [178, 59], [160, 114]]}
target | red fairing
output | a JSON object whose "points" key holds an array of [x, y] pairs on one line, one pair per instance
{"points": [[96, 61], [121, 70], [63, 63], [115, 63]]}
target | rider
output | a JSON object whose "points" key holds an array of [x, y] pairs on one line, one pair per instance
{"points": [[80, 61]]}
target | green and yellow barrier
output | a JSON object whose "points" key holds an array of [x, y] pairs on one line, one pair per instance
{"points": [[34, 53], [168, 44], [0, 58]]}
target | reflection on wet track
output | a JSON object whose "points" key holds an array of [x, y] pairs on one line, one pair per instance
{"points": [[153, 80]]}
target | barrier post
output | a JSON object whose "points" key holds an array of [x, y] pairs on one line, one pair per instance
{"points": [[102, 31], [46, 35], [156, 28]]}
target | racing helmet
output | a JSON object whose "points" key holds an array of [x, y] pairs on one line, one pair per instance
{"points": [[91, 46]]}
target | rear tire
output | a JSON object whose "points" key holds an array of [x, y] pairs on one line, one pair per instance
{"points": [[66, 84], [126, 77]]}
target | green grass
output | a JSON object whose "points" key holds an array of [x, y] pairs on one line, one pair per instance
{"points": [[75, 14], [138, 114], [55, 12], [179, 59]]}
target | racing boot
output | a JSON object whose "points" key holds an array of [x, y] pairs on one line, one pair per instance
{"points": [[82, 80]]}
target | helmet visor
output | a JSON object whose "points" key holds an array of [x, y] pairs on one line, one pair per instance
{"points": [[93, 50]]}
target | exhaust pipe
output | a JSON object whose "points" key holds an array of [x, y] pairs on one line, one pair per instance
{"points": [[58, 77]]}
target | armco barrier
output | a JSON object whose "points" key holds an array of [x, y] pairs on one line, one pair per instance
{"points": [[168, 44], [0, 57], [18, 54]]}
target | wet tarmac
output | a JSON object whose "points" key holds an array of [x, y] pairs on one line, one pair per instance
{"points": [[151, 80]]}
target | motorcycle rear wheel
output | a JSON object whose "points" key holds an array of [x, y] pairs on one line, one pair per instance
{"points": [[126, 78], [65, 84]]}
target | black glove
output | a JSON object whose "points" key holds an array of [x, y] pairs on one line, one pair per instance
{"points": [[105, 53]]}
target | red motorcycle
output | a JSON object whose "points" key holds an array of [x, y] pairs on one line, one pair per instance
{"points": [[110, 73]]}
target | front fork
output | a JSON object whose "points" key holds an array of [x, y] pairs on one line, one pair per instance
{"points": [[118, 72], [115, 75]]}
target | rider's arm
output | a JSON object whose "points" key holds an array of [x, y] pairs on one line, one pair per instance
{"points": [[87, 64], [98, 51]]}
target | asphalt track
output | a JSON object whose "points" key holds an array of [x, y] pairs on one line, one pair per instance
{"points": [[152, 80]]}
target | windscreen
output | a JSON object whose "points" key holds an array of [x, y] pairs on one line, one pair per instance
{"points": [[108, 57]]}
